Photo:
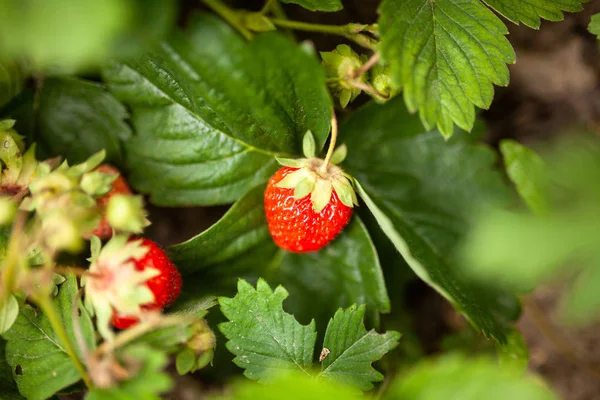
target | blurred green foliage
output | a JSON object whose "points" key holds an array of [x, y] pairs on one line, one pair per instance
{"points": [[559, 240]]}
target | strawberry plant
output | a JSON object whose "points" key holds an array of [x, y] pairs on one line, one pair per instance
{"points": [[351, 162]]}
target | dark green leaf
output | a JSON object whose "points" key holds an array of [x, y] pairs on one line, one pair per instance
{"points": [[345, 272], [318, 5], [12, 79], [423, 193], [239, 246], [8, 387], [265, 340], [526, 169], [76, 119], [445, 54], [222, 107], [147, 384], [38, 359], [456, 377], [353, 349], [530, 11]]}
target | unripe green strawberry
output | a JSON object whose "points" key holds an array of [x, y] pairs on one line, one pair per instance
{"points": [[119, 186], [308, 201]]}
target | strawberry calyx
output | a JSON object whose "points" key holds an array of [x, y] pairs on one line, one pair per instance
{"points": [[317, 177]]}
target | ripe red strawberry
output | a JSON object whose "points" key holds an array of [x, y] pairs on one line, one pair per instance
{"points": [[166, 286], [294, 224], [309, 201], [119, 186]]}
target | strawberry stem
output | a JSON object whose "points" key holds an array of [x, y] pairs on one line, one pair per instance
{"points": [[334, 134]]}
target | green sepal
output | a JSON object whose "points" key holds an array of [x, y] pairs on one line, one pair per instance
{"points": [[7, 124], [256, 22], [96, 183], [292, 180], [304, 188], [291, 162], [308, 145], [345, 192], [339, 154], [321, 195]]}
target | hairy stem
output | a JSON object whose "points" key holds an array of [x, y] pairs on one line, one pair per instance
{"points": [[230, 16], [48, 309], [366, 66], [334, 134], [349, 31]]}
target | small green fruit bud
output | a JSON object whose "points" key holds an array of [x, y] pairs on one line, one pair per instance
{"points": [[340, 66], [126, 213]]}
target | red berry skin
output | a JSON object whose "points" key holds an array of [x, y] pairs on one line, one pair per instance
{"points": [[294, 225], [119, 186], [166, 286]]}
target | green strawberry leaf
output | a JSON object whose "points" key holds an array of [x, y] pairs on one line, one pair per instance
{"points": [[445, 54], [147, 384], [422, 191], [8, 387], [77, 118], [239, 246], [291, 387], [219, 107], [594, 26], [318, 5], [353, 349], [12, 80], [265, 340], [530, 11], [43, 369], [268, 342], [458, 377], [526, 169]]}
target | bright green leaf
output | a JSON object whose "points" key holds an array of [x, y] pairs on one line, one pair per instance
{"points": [[594, 26], [239, 246], [222, 107], [526, 169], [8, 313], [77, 118], [353, 349], [423, 192], [445, 54], [8, 387], [12, 80], [530, 11], [147, 384], [38, 359], [515, 353], [290, 387], [318, 5], [457, 377], [269, 342], [265, 340]]}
